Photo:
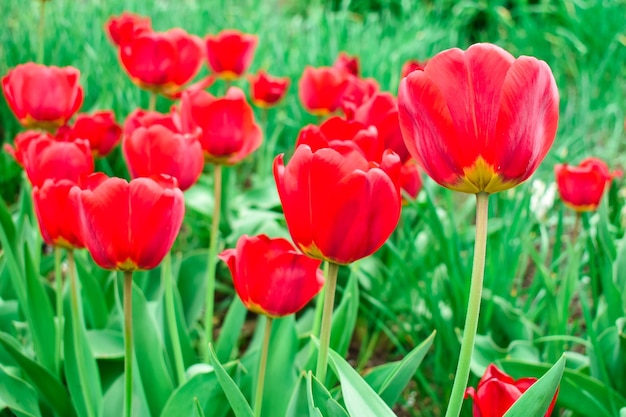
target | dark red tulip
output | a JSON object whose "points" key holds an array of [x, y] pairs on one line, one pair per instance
{"points": [[230, 53], [338, 205], [267, 91], [348, 63], [129, 226], [412, 65], [56, 213], [479, 120], [582, 187], [229, 131], [271, 277], [98, 128], [124, 28], [497, 391], [157, 150], [43, 97], [321, 89]]}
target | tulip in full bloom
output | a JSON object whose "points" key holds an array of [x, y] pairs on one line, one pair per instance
{"points": [[43, 97], [124, 28], [230, 53], [348, 63], [497, 391], [321, 89], [271, 277], [56, 214], [267, 91], [338, 205], [582, 187], [229, 131], [98, 128], [129, 226], [479, 120]]}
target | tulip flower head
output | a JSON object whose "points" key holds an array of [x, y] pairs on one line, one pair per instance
{"points": [[582, 187], [43, 97], [271, 277], [497, 391], [321, 89], [98, 128], [479, 120], [410, 180], [124, 28], [129, 225], [56, 214], [267, 91], [147, 118], [230, 53], [348, 63]]}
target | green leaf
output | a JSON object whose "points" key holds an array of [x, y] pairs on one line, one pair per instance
{"points": [[202, 391], [96, 311], [237, 401], [344, 317], [51, 391], [231, 330], [536, 400], [113, 402], [18, 395], [320, 401], [191, 283], [106, 344]]}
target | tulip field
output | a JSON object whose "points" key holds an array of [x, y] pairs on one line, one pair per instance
{"points": [[294, 208]]}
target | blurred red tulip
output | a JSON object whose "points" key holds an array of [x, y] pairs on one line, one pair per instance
{"points": [[267, 91], [129, 226], [338, 205], [56, 214], [124, 28], [229, 131], [348, 63], [230, 53], [21, 142], [157, 150], [271, 277], [479, 120], [321, 89], [497, 391], [582, 187], [147, 118], [43, 97], [98, 128], [357, 92], [412, 65], [163, 62], [410, 180]]}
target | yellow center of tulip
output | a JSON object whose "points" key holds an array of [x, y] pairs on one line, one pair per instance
{"points": [[482, 177], [128, 265]]}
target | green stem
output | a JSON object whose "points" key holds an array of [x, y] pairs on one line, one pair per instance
{"points": [[128, 343], [473, 307], [210, 287], [258, 398], [152, 101], [319, 306], [77, 325], [58, 278], [327, 321], [170, 313], [40, 32]]}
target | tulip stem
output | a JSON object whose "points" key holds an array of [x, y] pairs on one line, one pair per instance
{"points": [[58, 278], [327, 321], [77, 325], [152, 101], [319, 306], [258, 398], [210, 287], [473, 307], [170, 313], [40, 32], [128, 343]]}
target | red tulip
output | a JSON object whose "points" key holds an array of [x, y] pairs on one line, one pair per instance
{"points": [[124, 28], [582, 187], [410, 179], [321, 89], [357, 92], [162, 62], [99, 129], [412, 65], [338, 205], [348, 63], [157, 150], [230, 53], [43, 97], [22, 141], [147, 118], [479, 120], [497, 391], [267, 91], [229, 131], [56, 214], [271, 277], [129, 226]]}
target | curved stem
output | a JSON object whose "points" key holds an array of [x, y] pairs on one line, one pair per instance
{"points": [[258, 397], [210, 287], [58, 278], [77, 325], [170, 314], [128, 343], [40, 32], [327, 321], [473, 307]]}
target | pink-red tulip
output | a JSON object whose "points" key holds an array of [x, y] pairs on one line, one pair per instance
{"points": [[229, 131], [43, 97], [348, 63], [230, 53], [479, 120], [321, 89], [98, 128], [266, 91], [338, 205], [271, 277], [124, 28], [129, 226], [582, 187], [56, 213], [497, 391]]}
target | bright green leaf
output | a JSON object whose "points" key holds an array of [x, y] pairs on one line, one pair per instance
{"points": [[18, 395], [237, 401]]}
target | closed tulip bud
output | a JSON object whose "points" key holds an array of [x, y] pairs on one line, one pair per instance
{"points": [[348, 63], [147, 118], [321, 89], [56, 213], [271, 277], [98, 128], [230, 52], [267, 91]]}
